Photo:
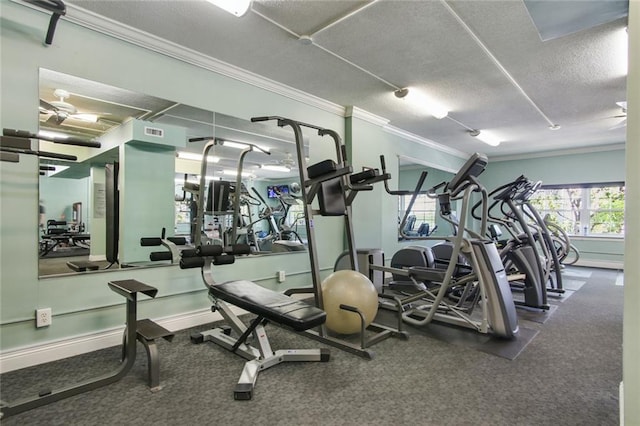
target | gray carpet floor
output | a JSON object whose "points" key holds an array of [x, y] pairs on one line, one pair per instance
{"points": [[567, 375]]}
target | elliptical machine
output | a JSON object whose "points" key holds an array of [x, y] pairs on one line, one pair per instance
{"points": [[483, 285]]}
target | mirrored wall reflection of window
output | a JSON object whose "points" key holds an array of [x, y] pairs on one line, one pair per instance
{"points": [[76, 198], [423, 219]]}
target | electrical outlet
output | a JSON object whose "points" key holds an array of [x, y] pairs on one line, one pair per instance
{"points": [[282, 275], [43, 317]]}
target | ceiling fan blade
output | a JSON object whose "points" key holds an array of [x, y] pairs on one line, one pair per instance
{"points": [[56, 119], [46, 105], [620, 125]]}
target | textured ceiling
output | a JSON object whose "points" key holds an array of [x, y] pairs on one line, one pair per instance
{"points": [[484, 60]]}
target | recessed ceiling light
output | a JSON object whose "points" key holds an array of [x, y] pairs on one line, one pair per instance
{"points": [[422, 101], [234, 7], [485, 136]]}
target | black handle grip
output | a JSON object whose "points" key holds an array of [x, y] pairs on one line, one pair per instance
{"points": [[209, 250], [160, 255], [224, 259], [180, 241], [238, 249], [189, 253], [191, 262], [151, 241], [348, 308], [256, 119]]}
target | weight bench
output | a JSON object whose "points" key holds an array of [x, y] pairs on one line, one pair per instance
{"points": [[83, 265], [267, 305]]}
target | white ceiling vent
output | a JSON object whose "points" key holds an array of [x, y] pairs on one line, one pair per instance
{"points": [[154, 131]]}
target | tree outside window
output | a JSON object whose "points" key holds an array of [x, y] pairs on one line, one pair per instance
{"points": [[596, 210]]}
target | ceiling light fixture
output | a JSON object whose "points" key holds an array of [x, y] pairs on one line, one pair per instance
{"points": [[422, 101], [620, 52], [89, 118], [234, 7], [197, 157], [235, 173], [235, 145], [52, 135], [240, 145], [275, 168], [486, 137]]}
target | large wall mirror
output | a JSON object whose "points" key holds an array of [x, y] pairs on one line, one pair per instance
{"points": [[154, 182], [423, 219]]}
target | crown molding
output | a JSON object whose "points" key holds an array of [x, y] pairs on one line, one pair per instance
{"points": [[560, 152], [415, 163], [355, 112], [120, 31], [424, 141]]}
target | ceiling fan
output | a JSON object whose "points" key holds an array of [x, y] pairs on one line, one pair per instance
{"points": [[60, 110], [623, 115]]}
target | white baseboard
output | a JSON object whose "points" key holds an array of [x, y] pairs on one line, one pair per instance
{"points": [[621, 396], [97, 257], [605, 264], [40, 354]]}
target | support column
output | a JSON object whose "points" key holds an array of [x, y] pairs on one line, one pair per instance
{"points": [[631, 337]]}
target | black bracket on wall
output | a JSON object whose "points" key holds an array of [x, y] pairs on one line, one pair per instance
{"points": [[57, 7]]}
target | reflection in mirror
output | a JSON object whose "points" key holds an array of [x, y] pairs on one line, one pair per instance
{"points": [[264, 194], [423, 219], [81, 219]]}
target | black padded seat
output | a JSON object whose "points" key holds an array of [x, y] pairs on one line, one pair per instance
{"points": [[269, 304]]}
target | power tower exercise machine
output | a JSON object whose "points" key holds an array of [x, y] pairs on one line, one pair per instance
{"points": [[334, 185]]}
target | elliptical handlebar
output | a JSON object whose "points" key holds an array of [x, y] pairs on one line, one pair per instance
{"points": [[387, 177]]}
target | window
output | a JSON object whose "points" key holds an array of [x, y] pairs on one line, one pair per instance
{"points": [[591, 209], [423, 211]]}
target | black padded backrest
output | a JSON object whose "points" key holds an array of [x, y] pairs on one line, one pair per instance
{"points": [[412, 256], [331, 198], [423, 229], [218, 196], [410, 223]]}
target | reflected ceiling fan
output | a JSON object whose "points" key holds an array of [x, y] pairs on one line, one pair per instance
{"points": [[288, 161], [285, 164], [61, 110]]}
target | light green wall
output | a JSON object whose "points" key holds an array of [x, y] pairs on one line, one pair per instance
{"points": [[59, 194], [146, 198], [605, 166], [375, 212], [82, 303]]}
